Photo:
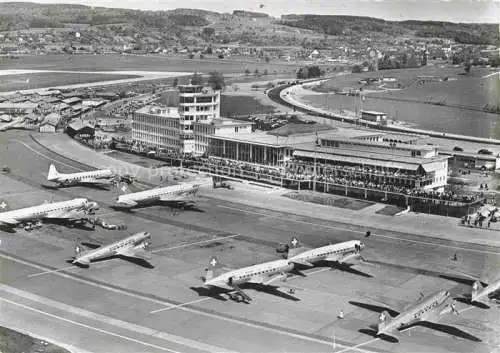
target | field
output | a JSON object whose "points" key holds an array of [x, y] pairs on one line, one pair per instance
{"points": [[145, 63], [451, 106], [242, 105], [39, 80], [14, 342]]}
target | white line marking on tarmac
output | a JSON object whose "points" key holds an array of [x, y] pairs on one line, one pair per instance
{"points": [[362, 232], [347, 349], [47, 157], [197, 242], [22, 193], [214, 315], [88, 326], [180, 305], [52, 271], [493, 74]]}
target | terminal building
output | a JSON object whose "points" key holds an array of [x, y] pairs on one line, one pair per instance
{"points": [[338, 153], [185, 128]]}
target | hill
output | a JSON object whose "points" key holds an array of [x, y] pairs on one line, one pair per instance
{"points": [[79, 25], [465, 33]]}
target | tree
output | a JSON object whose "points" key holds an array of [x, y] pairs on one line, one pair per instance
{"points": [[216, 80], [209, 50], [196, 79], [175, 82], [267, 59], [356, 69], [208, 31], [266, 72], [256, 72], [467, 68], [247, 72], [221, 56]]}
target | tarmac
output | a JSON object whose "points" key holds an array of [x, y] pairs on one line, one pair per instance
{"points": [[119, 306]]}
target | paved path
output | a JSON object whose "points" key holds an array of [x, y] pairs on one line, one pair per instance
{"points": [[419, 224]]}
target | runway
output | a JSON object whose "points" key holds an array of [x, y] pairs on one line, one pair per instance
{"points": [[165, 308]]}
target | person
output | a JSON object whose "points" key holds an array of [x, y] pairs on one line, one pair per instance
{"points": [[489, 222], [341, 314], [454, 257]]}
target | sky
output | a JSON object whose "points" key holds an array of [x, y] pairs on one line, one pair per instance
{"points": [[436, 10]]}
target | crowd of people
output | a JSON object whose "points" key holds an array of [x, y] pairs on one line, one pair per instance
{"points": [[302, 174]]}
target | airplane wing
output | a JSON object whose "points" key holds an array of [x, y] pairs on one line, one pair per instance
{"points": [[138, 253], [178, 198], [268, 280], [8, 221], [301, 262], [62, 214], [128, 203]]}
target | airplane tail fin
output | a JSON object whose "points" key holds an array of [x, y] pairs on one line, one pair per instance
{"points": [[293, 247], [123, 189], [53, 173], [476, 288], [383, 320], [4, 206], [212, 269]]}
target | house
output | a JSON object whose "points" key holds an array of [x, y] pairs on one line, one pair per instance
{"points": [[50, 123]]}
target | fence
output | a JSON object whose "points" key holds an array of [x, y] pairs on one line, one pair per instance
{"points": [[449, 208]]}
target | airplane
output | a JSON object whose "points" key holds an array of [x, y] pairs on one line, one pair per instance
{"points": [[132, 247], [482, 294], [340, 252], [428, 309], [178, 194], [72, 210], [261, 274], [95, 177]]}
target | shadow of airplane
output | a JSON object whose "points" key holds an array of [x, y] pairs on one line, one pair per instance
{"points": [[451, 330], [216, 293], [273, 290], [7, 229], [375, 308], [175, 206], [345, 267], [210, 292], [70, 224], [88, 185], [137, 261], [466, 299], [373, 333]]}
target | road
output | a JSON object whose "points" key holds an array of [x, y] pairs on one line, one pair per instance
{"points": [[166, 306]]}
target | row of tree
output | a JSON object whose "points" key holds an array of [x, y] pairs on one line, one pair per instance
{"points": [[309, 72]]}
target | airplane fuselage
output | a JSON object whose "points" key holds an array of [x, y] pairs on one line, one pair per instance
{"points": [[152, 195], [245, 274], [113, 248], [84, 177], [42, 211], [319, 254]]}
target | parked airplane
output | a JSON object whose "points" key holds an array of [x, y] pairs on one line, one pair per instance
{"points": [[135, 247], [263, 274], [482, 294], [340, 252], [72, 210], [426, 310], [179, 194], [95, 177]]}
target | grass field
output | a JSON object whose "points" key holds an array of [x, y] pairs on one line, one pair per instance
{"points": [[40, 80], [14, 342], [242, 105], [330, 200], [456, 103], [143, 63]]}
